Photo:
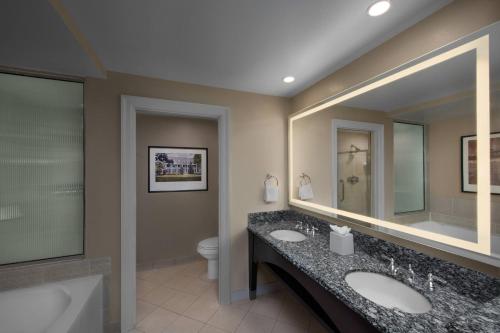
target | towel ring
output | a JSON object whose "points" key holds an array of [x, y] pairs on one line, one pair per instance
{"points": [[270, 178], [304, 179]]}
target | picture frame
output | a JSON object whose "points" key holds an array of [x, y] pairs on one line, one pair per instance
{"points": [[177, 169], [469, 167]]}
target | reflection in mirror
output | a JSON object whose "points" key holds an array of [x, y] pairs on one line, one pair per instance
{"points": [[405, 152]]}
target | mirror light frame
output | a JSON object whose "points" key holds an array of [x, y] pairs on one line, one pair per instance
{"points": [[483, 201]]}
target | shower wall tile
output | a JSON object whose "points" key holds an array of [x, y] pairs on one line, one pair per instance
{"points": [[68, 270], [100, 266], [21, 277]]}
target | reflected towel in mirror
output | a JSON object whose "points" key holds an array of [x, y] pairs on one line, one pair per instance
{"points": [[306, 192]]}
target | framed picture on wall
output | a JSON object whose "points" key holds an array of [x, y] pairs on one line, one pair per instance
{"points": [[469, 163], [175, 169]]}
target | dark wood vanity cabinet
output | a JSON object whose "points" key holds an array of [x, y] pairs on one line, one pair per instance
{"points": [[330, 311]]}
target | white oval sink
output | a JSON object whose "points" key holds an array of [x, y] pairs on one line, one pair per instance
{"points": [[388, 292], [288, 235]]}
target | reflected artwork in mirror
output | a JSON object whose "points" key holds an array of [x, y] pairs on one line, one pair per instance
{"points": [[388, 154]]}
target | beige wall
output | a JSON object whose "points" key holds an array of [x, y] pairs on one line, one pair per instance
{"points": [[459, 18], [312, 150], [257, 138], [170, 224]]}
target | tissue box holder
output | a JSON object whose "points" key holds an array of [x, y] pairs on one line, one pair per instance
{"points": [[341, 244]]}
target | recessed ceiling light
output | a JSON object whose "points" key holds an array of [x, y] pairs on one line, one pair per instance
{"points": [[378, 8], [288, 79]]}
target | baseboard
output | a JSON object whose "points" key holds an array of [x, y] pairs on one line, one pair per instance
{"points": [[239, 295]]}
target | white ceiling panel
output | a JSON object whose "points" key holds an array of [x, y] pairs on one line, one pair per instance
{"points": [[236, 44], [33, 36]]}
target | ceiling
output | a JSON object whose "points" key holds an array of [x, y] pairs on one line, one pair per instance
{"points": [[447, 78], [34, 37], [235, 44], [446, 84]]}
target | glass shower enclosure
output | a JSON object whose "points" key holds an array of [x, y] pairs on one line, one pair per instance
{"points": [[354, 171]]}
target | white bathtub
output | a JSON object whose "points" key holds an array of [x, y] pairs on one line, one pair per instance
{"points": [[457, 232], [71, 306]]}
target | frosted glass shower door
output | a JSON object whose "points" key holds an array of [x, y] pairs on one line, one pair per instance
{"points": [[409, 182], [41, 168]]}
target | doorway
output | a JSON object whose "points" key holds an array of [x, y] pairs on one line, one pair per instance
{"points": [[130, 107], [358, 167]]}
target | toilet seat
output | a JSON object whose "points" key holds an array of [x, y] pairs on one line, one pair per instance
{"points": [[209, 244]]}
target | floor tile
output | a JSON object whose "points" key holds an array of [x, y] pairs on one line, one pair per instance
{"points": [[243, 304], [294, 313], [178, 298], [204, 277], [184, 325], [210, 329], [189, 284], [316, 326], [268, 305], [178, 301], [157, 296], [143, 287], [256, 323], [195, 268], [158, 321], [202, 310], [227, 318], [287, 328], [143, 309], [144, 274], [162, 275], [211, 293]]}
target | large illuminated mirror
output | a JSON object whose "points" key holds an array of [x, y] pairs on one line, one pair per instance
{"points": [[410, 153]]}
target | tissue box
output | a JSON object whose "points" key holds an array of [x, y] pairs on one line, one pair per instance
{"points": [[341, 244]]}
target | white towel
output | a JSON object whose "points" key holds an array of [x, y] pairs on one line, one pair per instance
{"points": [[271, 193], [340, 230], [306, 192]]}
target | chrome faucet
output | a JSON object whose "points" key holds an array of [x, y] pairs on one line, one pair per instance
{"points": [[430, 281], [299, 226], [392, 267], [313, 230], [411, 276], [308, 228]]}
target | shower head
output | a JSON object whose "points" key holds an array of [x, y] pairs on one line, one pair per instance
{"points": [[354, 148]]}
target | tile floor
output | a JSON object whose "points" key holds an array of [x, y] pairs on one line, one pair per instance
{"points": [[180, 299]]}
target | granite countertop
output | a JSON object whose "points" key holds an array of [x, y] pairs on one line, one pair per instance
{"points": [[468, 302]]}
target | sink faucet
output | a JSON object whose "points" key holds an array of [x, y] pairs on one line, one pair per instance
{"points": [[411, 273], [392, 267], [313, 230], [299, 226], [430, 281]]}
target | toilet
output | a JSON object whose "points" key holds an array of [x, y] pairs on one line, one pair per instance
{"points": [[209, 249]]}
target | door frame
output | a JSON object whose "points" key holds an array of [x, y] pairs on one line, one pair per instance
{"points": [[130, 107], [377, 161]]}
